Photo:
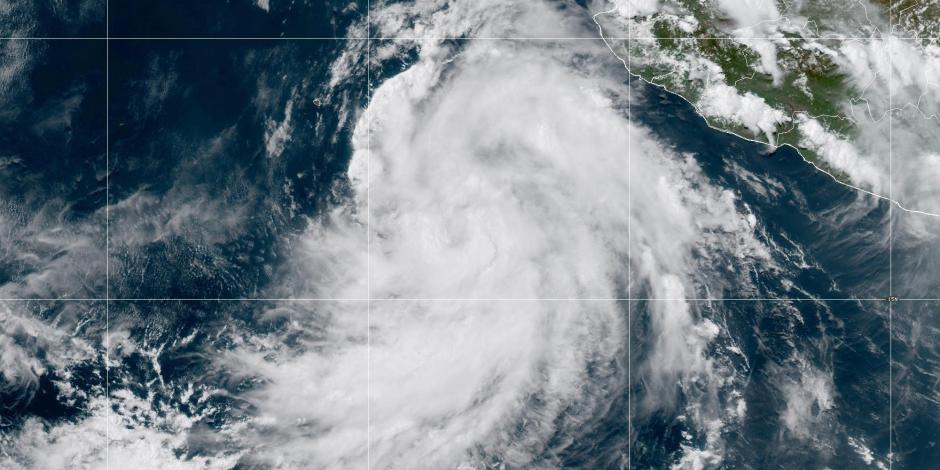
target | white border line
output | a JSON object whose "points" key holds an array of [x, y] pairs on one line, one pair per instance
{"points": [[697, 110]]}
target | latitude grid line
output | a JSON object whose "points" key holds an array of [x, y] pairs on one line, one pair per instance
{"points": [[456, 38], [468, 299], [471, 299], [108, 299]]}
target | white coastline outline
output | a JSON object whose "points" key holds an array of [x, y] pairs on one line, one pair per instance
{"points": [[600, 31]]}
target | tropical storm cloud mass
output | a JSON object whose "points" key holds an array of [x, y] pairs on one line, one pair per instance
{"points": [[455, 234]]}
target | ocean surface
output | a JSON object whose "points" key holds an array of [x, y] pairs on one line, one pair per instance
{"points": [[146, 180]]}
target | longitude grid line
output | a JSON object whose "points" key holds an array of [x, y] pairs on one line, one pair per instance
{"points": [[629, 246], [368, 235], [887, 52], [107, 230]]}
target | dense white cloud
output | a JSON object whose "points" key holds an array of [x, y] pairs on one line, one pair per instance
{"points": [[447, 18], [631, 8], [278, 134], [30, 348], [896, 112], [809, 396], [840, 153], [755, 22], [452, 380], [501, 170], [486, 170], [122, 431], [749, 110], [890, 94]]}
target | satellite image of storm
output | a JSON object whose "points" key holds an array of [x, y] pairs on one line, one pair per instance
{"points": [[469, 234]]}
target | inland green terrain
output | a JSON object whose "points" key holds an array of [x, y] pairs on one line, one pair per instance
{"points": [[829, 78]]}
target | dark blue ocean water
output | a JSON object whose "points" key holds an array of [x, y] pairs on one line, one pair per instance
{"points": [[234, 18], [843, 237], [188, 123]]}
